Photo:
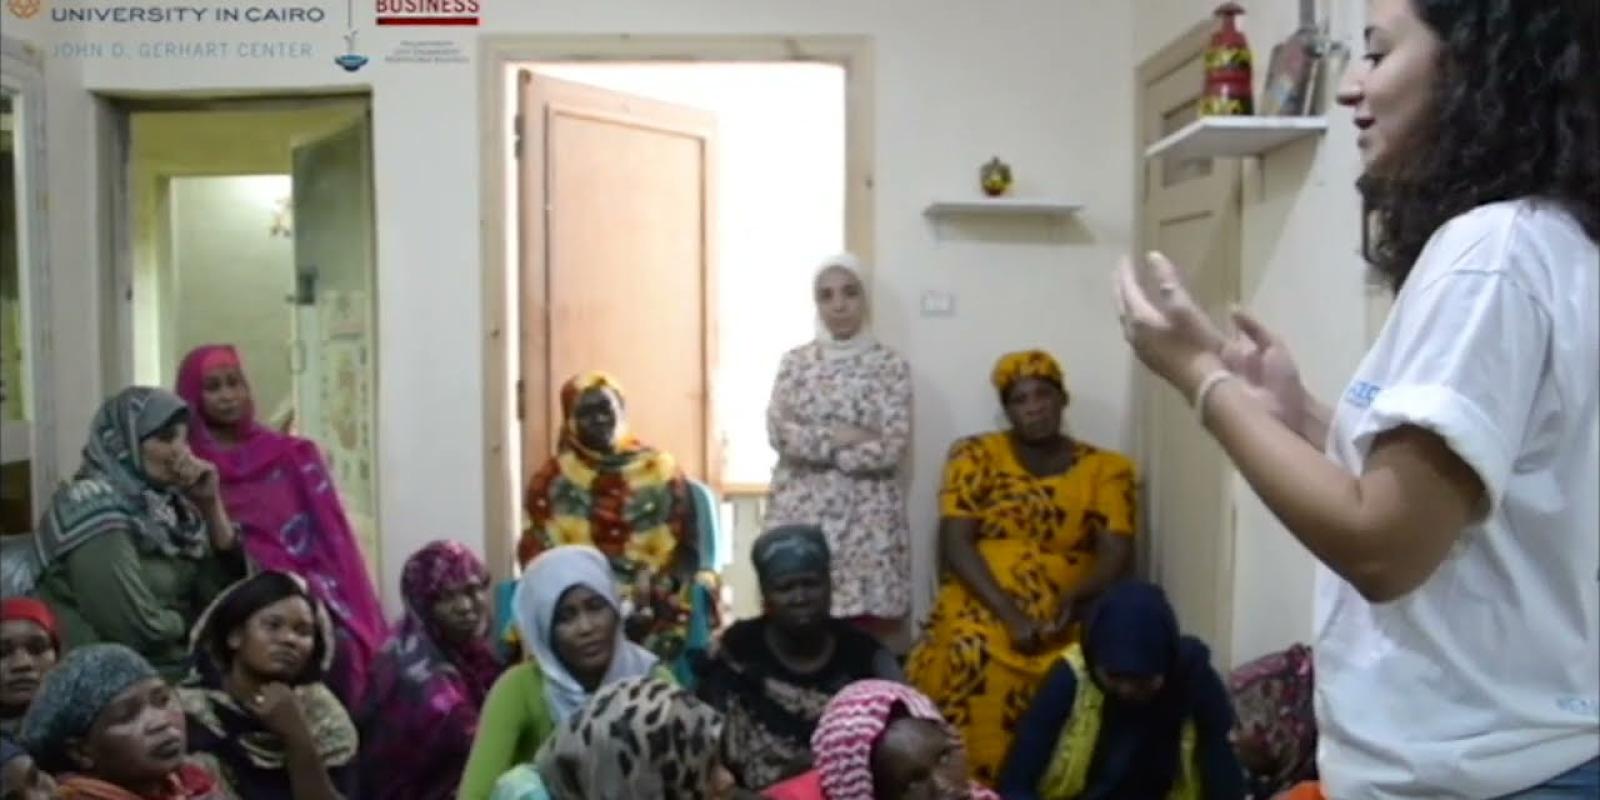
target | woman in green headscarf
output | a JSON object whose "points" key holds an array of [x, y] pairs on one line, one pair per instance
{"points": [[138, 543]]}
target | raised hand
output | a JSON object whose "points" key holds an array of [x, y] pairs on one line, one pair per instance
{"points": [[199, 480], [276, 705], [1169, 332], [1263, 362]]}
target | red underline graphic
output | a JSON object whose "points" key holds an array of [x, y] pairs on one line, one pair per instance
{"points": [[427, 20]]}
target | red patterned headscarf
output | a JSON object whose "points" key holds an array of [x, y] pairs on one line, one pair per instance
{"points": [[850, 728]]}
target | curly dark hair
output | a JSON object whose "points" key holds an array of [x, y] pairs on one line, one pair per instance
{"points": [[1516, 114]]}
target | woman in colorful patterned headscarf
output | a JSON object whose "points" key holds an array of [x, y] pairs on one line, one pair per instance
{"points": [[139, 541], [278, 489], [1034, 523], [880, 740], [429, 683], [606, 489], [638, 738]]}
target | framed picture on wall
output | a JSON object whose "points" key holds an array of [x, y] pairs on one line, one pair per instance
{"points": [[1291, 74]]}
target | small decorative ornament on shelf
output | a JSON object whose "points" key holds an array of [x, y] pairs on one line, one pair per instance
{"points": [[995, 177], [1227, 68]]}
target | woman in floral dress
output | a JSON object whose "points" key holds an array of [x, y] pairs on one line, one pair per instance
{"points": [[840, 419]]}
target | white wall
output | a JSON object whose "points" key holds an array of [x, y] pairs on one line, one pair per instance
{"points": [[1301, 240], [1045, 84]]}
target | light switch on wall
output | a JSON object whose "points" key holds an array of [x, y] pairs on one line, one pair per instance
{"points": [[938, 304]]}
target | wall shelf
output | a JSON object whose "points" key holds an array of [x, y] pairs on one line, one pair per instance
{"points": [[1003, 206], [1235, 137]]}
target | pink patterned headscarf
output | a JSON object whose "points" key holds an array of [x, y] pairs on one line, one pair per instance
{"points": [[851, 726], [426, 691], [277, 488]]}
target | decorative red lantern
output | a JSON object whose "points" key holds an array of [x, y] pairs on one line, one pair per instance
{"points": [[1228, 91]]}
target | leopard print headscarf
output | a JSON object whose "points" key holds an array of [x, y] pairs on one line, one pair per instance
{"points": [[637, 738]]}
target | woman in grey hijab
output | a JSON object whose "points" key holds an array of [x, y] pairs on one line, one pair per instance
{"points": [[110, 728], [138, 543]]}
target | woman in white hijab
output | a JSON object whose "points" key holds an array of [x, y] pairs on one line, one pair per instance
{"points": [[570, 622], [840, 419]]}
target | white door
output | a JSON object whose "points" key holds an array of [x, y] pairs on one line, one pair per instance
{"points": [[335, 343], [1191, 213]]}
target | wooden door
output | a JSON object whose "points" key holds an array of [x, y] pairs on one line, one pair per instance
{"points": [[1191, 213], [617, 262]]}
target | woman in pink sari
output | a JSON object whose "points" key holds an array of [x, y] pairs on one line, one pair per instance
{"points": [[278, 490]]}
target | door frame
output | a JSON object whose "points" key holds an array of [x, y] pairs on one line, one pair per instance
{"points": [[112, 174], [23, 77], [499, 58]]}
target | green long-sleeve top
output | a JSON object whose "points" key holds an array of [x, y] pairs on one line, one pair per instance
{"points": [[106, 590], [516, 720]]}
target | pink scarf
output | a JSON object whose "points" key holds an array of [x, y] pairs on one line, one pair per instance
{"points": [[278, 490], [849, 730]]}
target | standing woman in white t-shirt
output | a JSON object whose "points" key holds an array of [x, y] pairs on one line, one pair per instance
{"points": [[1450, 494]]}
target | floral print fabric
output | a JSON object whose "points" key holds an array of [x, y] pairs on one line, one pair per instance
{"points": [[850, 492]]}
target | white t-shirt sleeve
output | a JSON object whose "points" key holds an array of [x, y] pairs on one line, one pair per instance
{"points": [[1467, 351]]}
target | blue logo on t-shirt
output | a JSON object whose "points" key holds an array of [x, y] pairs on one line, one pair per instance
{"points": [[1582, 706], [1361, 394]]}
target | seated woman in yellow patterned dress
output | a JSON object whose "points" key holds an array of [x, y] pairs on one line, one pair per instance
{"points": [[1033, 524]]}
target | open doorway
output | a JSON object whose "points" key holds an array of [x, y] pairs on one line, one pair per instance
{"points": [[665, 221], [249, 222]]}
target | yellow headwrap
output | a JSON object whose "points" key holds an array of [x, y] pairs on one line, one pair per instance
{"points": [[1013, 367]]}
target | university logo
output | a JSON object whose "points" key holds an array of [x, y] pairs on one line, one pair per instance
{"points": [[350, 60], [24, 9]]}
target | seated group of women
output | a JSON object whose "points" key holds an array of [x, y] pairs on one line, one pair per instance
{"points": [[795, 695], [182, 496], [589, 714], [1035, 525]]}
